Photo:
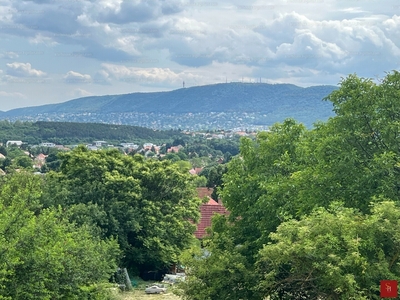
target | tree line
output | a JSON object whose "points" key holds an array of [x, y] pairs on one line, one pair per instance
{"points": [[68, 133]]}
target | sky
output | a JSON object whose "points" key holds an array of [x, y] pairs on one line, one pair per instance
{"points": [[52, 51]]}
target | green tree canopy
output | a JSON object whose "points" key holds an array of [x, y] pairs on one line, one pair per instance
{"points": [[147, 205], [290, 172], [335, 253], [42, 255]]}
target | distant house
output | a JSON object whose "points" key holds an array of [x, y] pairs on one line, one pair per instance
{"points": [[241, 133], [207, 210], [174, 149], [91, 147], [18, 143], [147, 146], [50, 145], [218, 136], [130, 145], [41, 157], [39, 160], [195, 171], [100, 143]]}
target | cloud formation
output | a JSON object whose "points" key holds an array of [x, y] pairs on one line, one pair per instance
{"points": [[19, 69], [124, 45], [76, 78]]}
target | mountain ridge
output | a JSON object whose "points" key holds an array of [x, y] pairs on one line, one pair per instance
{"points": [[275, 100]]}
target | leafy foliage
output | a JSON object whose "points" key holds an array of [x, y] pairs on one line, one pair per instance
{"points": [[67, 133], [42, 255], [312, 211], [147, 205], [332, 254]]}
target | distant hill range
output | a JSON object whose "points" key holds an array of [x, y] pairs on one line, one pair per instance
{"points": [[225, 105]]}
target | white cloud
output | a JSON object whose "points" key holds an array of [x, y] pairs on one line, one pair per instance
{"points": [[199, 42], [41, 39], [18, 69], [76, 93], [74, 77]]}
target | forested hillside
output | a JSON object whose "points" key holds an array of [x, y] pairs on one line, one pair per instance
{"points": [[224, 97], [66, 133], [218, 106]]}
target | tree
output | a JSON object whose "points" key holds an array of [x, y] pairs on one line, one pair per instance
{"points": [[3, 150], [147, 205], [200, 181], [218, 270], [23, 162], [5, 163], [53, 162], [42, 255], [334, 253]]}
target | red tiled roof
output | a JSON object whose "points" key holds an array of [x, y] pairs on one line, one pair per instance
{"points": [[207, 210], [212, 202]]}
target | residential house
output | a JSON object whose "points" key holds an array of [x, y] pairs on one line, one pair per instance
{"points": [[147, 146], [100, 143], [18, 143], [50, 145], [39, 161], [195, 171], [207, 210], [174, 149], [130, 145]]}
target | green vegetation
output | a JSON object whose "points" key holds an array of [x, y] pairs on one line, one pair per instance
{"points": [[42, 255], [313, 213], [225, 105], [67, 133], [63, 235], [147, 205]]}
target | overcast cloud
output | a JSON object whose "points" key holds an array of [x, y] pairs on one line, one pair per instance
{"points": [[53, 51]]}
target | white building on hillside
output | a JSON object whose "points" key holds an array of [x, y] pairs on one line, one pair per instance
{"points": [[50, 145], [18, 143]]}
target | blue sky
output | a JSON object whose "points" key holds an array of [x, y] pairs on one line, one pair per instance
{"points": [[52, 51]]}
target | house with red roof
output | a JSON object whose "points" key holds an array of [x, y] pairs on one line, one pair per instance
{"points": [[195, 171], [207, 211], [174, 149]]}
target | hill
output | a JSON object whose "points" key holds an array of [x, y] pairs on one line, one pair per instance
{"points": [[266, 103], [75, 133]]}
